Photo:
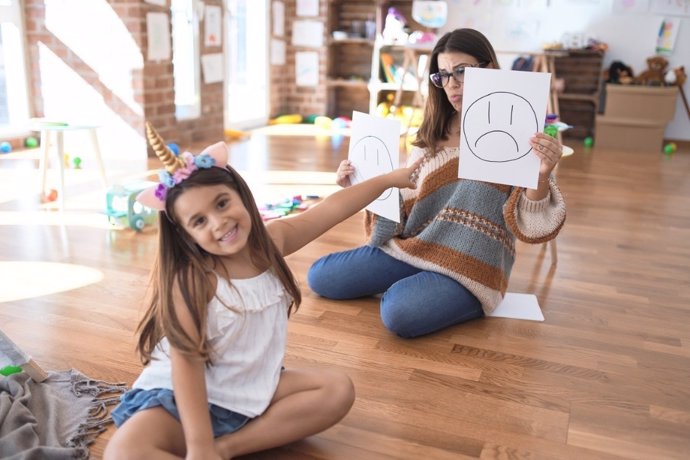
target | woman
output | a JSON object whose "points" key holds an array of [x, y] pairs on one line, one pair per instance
{"points": [[449, 259]]}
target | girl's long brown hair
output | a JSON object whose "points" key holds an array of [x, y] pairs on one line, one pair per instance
{"points": [[438, 112], [181, 260]]}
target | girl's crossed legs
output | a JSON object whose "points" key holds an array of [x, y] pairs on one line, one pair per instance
{"points": [[415, 302], [306, 402]]}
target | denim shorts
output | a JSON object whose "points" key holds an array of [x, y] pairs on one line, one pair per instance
{"points": [[223, 421]]}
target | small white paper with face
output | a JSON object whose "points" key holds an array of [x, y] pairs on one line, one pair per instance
{"points": [[374, 144], [501, 111]]}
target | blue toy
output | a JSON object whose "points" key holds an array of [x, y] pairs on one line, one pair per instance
{"points": [[5, 147], [123, 210], [174, 147]]}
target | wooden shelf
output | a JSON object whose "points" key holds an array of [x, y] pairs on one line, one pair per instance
{"points": [[342, 83], [350, 41]]}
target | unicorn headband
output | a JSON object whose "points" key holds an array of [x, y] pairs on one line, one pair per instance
{"points": [[177, 169]]}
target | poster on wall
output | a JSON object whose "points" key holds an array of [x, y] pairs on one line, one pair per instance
{"points": [[278, 18], [212, 67], [213, 17], [630, 6], [307, 68], [158, 28], [669, 7], [307, 7], [277, 52], [668, 31], [307, 33]]}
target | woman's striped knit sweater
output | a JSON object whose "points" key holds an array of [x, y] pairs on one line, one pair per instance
{"points": [[465, 229]]}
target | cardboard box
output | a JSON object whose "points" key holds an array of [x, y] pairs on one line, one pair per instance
{"points": [[652, 103], [629, 134]]}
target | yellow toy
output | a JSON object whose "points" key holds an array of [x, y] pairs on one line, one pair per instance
{"points": [[323, 122], [292, 118], [234, 134]]}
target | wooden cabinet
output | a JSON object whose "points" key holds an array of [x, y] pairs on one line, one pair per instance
{"points": [[581, 72]]}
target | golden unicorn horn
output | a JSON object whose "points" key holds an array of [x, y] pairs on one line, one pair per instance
{"points": [[171, 162]]}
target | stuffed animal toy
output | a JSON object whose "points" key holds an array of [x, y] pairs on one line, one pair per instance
{"points": [[619, 73], [395, 28], [654, 75]]}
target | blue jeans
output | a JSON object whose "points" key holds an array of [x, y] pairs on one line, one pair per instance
{"points": [[415, 302]]}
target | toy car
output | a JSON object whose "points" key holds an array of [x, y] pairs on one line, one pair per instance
{"points": [[123, 210]]}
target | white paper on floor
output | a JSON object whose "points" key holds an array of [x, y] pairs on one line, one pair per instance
{"points": [[519, 306]]}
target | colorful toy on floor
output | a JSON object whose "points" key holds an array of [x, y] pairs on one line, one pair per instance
{"points": [[287, 206], [31, 142], [670, 148], [76, 161], [9, 370], [235, 134], [292, 118], [123, 210], [323, 122], [5, 147], [51, 196], [589, 141], [341, 123]]}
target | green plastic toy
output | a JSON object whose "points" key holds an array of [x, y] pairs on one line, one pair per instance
{"points": [[9, 370]]}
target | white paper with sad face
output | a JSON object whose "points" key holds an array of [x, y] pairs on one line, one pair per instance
{"points": [[501, 111]]}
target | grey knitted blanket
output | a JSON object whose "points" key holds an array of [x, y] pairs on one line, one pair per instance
{"points": [[55, 419]]}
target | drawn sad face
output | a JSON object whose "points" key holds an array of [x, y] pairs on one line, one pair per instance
{"points": [[497, 127], [372, 152]]}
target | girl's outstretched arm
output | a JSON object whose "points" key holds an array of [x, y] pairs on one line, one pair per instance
{"points": [[189, 387], [293, 232]]}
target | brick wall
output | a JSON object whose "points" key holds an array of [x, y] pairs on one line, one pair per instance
{"points": [[87, 60], [286, 96]]}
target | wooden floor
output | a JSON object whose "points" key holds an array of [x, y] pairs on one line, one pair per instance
{"points": [[606, 375]]}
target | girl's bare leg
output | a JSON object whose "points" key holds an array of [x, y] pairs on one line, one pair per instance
{"points": [[149, 434], [306, 402]]}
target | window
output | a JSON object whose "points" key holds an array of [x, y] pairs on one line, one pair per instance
{"points": [[186, 68], [14, 101]]}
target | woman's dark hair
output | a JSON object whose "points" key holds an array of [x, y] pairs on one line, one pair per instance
{"points": [[438, 112], [180, 260]]}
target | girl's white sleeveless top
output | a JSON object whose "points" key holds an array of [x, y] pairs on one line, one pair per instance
{"points": [[248, 344]]}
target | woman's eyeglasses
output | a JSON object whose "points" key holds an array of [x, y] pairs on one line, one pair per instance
{"points": [[441, 79]]}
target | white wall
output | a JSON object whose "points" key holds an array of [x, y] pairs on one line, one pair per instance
{"points": [[526, 25]]}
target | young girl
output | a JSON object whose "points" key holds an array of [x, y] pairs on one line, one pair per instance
{"points": [[213, 336]]}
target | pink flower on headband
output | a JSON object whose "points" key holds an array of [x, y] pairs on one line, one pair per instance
{"points": [[154, 197], [183, 173]]}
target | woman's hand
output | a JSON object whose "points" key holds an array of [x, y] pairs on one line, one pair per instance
{"points": [[342, 175], [549, 150]]}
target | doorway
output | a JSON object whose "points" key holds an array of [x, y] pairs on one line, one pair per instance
{"points": [[246, 87]]}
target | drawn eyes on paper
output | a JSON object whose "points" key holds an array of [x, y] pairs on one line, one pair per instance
{"points": [[497, 127], [372, 152]]}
